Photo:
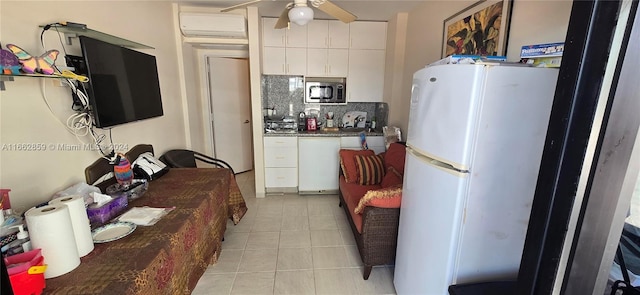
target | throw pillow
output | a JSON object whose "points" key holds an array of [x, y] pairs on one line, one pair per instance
{"points": [[389, 197], [370, 169], [391, 177], [348, 164], [394, 157]]}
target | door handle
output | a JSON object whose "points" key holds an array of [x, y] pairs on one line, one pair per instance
{"points": [[246, 121]]}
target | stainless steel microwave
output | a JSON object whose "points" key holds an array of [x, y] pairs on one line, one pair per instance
{"points": [[325, 90]]}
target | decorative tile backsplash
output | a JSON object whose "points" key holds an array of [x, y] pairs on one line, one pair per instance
{"points": [[278, 92]]}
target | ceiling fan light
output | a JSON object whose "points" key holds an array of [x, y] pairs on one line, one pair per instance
{"points": [[301, 15]]}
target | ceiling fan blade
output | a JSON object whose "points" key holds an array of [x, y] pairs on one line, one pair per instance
{"points": [[241, 5], [283, 20], [336, 11]]}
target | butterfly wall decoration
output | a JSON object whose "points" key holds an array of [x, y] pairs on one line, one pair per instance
{"points": [[32, 64]]}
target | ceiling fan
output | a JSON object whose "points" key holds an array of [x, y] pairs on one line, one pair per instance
{"points": [[299, 12]]}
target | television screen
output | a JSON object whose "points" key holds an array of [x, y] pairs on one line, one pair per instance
{"points": [[123, 83]]}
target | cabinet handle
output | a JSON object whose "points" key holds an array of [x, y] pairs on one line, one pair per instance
{"points": [[329, 69], [330, 42], [287, 68], [284, 40], [283, 69], [327, 41], [280, 158], [279, 177]]}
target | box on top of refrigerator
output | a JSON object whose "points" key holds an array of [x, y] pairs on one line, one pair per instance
{"points": [[543, 55], [542, 50]]}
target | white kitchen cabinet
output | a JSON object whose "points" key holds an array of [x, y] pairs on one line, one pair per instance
{"points": [[375, 143], [274, 61], [327, 34], [271, 36], [318, 164], [327, 62], [366, 75], [284, 61], [296, 61], [339, 33], [368, 35], [295, 36], [281, 162], [281, 177]]}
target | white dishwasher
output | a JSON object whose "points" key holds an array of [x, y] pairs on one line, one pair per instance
{"points": [[318, 165]]}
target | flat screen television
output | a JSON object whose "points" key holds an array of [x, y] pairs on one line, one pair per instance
{"points": [[123, 83]]}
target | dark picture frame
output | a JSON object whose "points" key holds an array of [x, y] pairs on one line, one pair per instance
{"points": [[480, 29]]}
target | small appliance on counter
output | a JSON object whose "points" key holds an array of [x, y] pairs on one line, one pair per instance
{"points": [[302, 121], [312, 124], [354, 119]]}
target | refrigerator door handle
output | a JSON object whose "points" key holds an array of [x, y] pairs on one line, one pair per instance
{"points": [[438, 164]]}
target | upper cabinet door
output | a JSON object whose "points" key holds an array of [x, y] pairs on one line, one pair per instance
{"points": [[271, 36], [296, 61], [365, 82], [318, 34], [296, 36], [317, 65], [337, 62], [338, 34], [368, 35], [274, 61]]}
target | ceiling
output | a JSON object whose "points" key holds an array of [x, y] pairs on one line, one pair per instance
{"points": [[363, 9]]}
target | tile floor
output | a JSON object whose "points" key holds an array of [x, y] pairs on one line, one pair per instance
{"points": [[291, 244]]}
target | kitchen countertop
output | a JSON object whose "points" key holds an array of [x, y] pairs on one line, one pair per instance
{"points": [[321, 133]]}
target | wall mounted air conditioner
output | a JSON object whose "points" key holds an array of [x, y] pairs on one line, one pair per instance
{"points": [[213, 25]]}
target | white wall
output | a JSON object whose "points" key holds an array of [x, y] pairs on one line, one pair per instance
{"points": [[532, 22], [25, 118], [537, 22]]}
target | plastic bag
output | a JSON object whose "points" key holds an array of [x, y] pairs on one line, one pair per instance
{"points": [[79, 188]]}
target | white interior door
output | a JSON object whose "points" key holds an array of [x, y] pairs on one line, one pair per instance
{"points": [[231, 111]]}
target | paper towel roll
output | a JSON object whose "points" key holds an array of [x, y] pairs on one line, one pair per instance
{"points": [[50, 229], [80, 222]]}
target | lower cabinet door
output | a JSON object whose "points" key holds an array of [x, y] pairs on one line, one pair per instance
{"points": [[280, 177]]}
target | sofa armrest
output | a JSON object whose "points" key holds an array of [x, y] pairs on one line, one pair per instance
{"points": [[379, 230], [389, 197]]}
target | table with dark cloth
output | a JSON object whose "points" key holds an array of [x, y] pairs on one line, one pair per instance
{"points": [[170, 256]]}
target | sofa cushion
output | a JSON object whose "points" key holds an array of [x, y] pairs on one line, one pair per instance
{"points": [[391, 177], [389, 197], [348, 164], [370, 169], [394, 157], [352, 193]]}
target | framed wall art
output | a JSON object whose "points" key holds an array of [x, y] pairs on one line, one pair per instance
{"points": [[480, 29]]}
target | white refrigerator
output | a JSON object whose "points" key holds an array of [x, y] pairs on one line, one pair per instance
{"points": [[474, 145]]}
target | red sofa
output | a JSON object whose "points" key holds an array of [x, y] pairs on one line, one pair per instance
{"points": [[372, 205]]}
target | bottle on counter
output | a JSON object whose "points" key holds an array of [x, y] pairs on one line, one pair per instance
{"points": [[373, 123], [20, 245]]}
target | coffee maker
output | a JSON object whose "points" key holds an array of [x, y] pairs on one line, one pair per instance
{"points": [[302, 121]]}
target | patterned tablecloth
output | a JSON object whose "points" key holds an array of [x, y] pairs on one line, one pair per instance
{"points": [[170, 256]]}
